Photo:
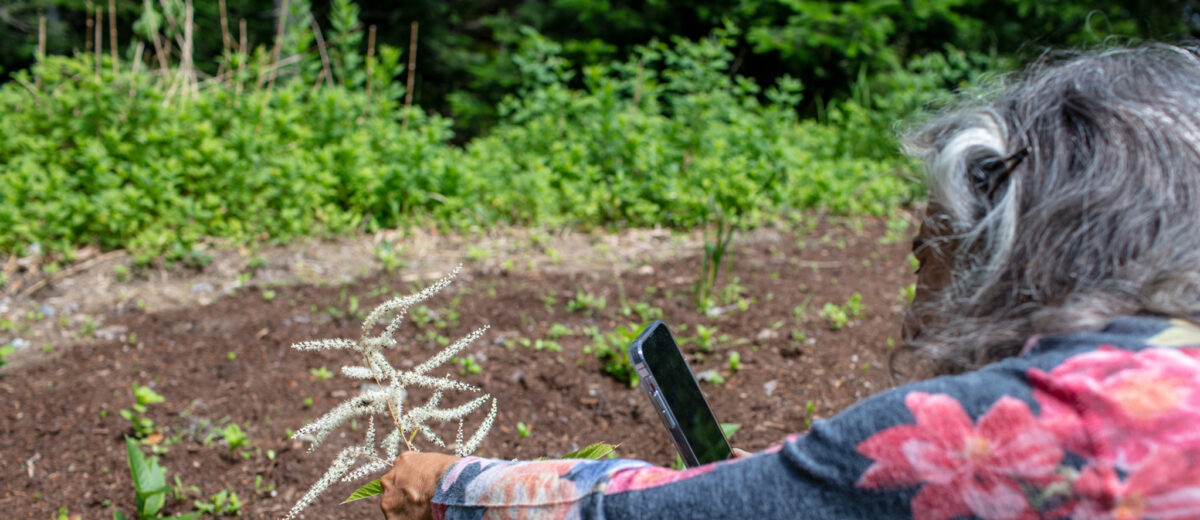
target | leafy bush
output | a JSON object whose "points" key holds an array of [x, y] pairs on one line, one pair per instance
{"points": [[667, 137]]}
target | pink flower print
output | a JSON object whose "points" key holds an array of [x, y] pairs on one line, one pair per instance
{"points": [[964, 468], [636, 479], [524, 484], [1165, 487], [1117, 406]]}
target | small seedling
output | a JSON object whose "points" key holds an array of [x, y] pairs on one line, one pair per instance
{"points": [[584, 302], [388, 255], [467, 365], [476, 253], [230, 356], [259, 488], [234, 437], [5, 351], [547, 344], [611, 349], [221, 503], [839, 316], [142, 396], [149, 485], [836, 316], [705, 337], [522, 430], [647, 312], [550, 300], [268, 294], [558, 330], [89, 327], [735, 361], [180, 491], [321, 373]]}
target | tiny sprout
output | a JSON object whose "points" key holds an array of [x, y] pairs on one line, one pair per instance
{"points": [[522, 430]]}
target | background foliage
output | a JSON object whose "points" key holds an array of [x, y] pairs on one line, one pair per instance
{"points": [[571, 112]]}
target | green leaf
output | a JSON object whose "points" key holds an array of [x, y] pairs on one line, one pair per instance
{"points": [[370, 489], [594, 451], [729, 429], [145, 395], [117, 515], [149, 480]]}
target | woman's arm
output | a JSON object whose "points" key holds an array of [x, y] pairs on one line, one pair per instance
{"points": [[968, 446]]}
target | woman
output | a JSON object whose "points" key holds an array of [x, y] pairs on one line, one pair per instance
{"points": [[1059, 284]]}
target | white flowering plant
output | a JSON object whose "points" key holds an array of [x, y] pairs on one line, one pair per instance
{"points": [[387, 396]]}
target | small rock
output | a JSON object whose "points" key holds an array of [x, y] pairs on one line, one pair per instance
{"points": [[854, 358], [645, 269], [517, 376], [202, 287], [111, 333], [766, 334], [20, 343], [47, 311], [707, 375], [769, 387]]}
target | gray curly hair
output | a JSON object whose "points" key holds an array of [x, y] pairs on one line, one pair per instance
{"points": [[1064, 200]]}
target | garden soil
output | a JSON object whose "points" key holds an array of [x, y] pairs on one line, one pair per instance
{"points": [[229, 361]]}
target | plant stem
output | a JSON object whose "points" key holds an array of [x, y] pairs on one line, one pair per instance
{"points": [[391, 411]]}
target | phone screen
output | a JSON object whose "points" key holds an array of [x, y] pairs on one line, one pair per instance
{"points": [[683, 397]]}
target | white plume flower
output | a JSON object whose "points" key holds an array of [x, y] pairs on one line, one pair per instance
{"points": [[364, 459]]}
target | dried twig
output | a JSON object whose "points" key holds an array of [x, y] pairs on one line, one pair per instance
{"points": [[87, 26], [99, 39], [412, 69], [112, 36], [41, 45], [370, 64], [326, 72], [226, 38], [41, 49], [242, 51], [68, 272], [283, 16]]}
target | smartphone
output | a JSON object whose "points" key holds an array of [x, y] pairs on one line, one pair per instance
{"points": [[669, 382]]}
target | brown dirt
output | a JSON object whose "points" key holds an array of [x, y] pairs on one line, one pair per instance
{"points": [[61, 433]]}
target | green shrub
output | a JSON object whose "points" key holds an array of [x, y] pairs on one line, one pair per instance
{"points": [[664, 138]]}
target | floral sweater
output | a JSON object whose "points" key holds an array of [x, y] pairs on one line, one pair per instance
{"points": [[1102, 425]]}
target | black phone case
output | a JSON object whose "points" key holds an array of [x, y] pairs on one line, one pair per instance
{"points": [[650, 385]]}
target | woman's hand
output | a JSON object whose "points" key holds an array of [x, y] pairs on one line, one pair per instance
{"points": [[409, 486]]}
